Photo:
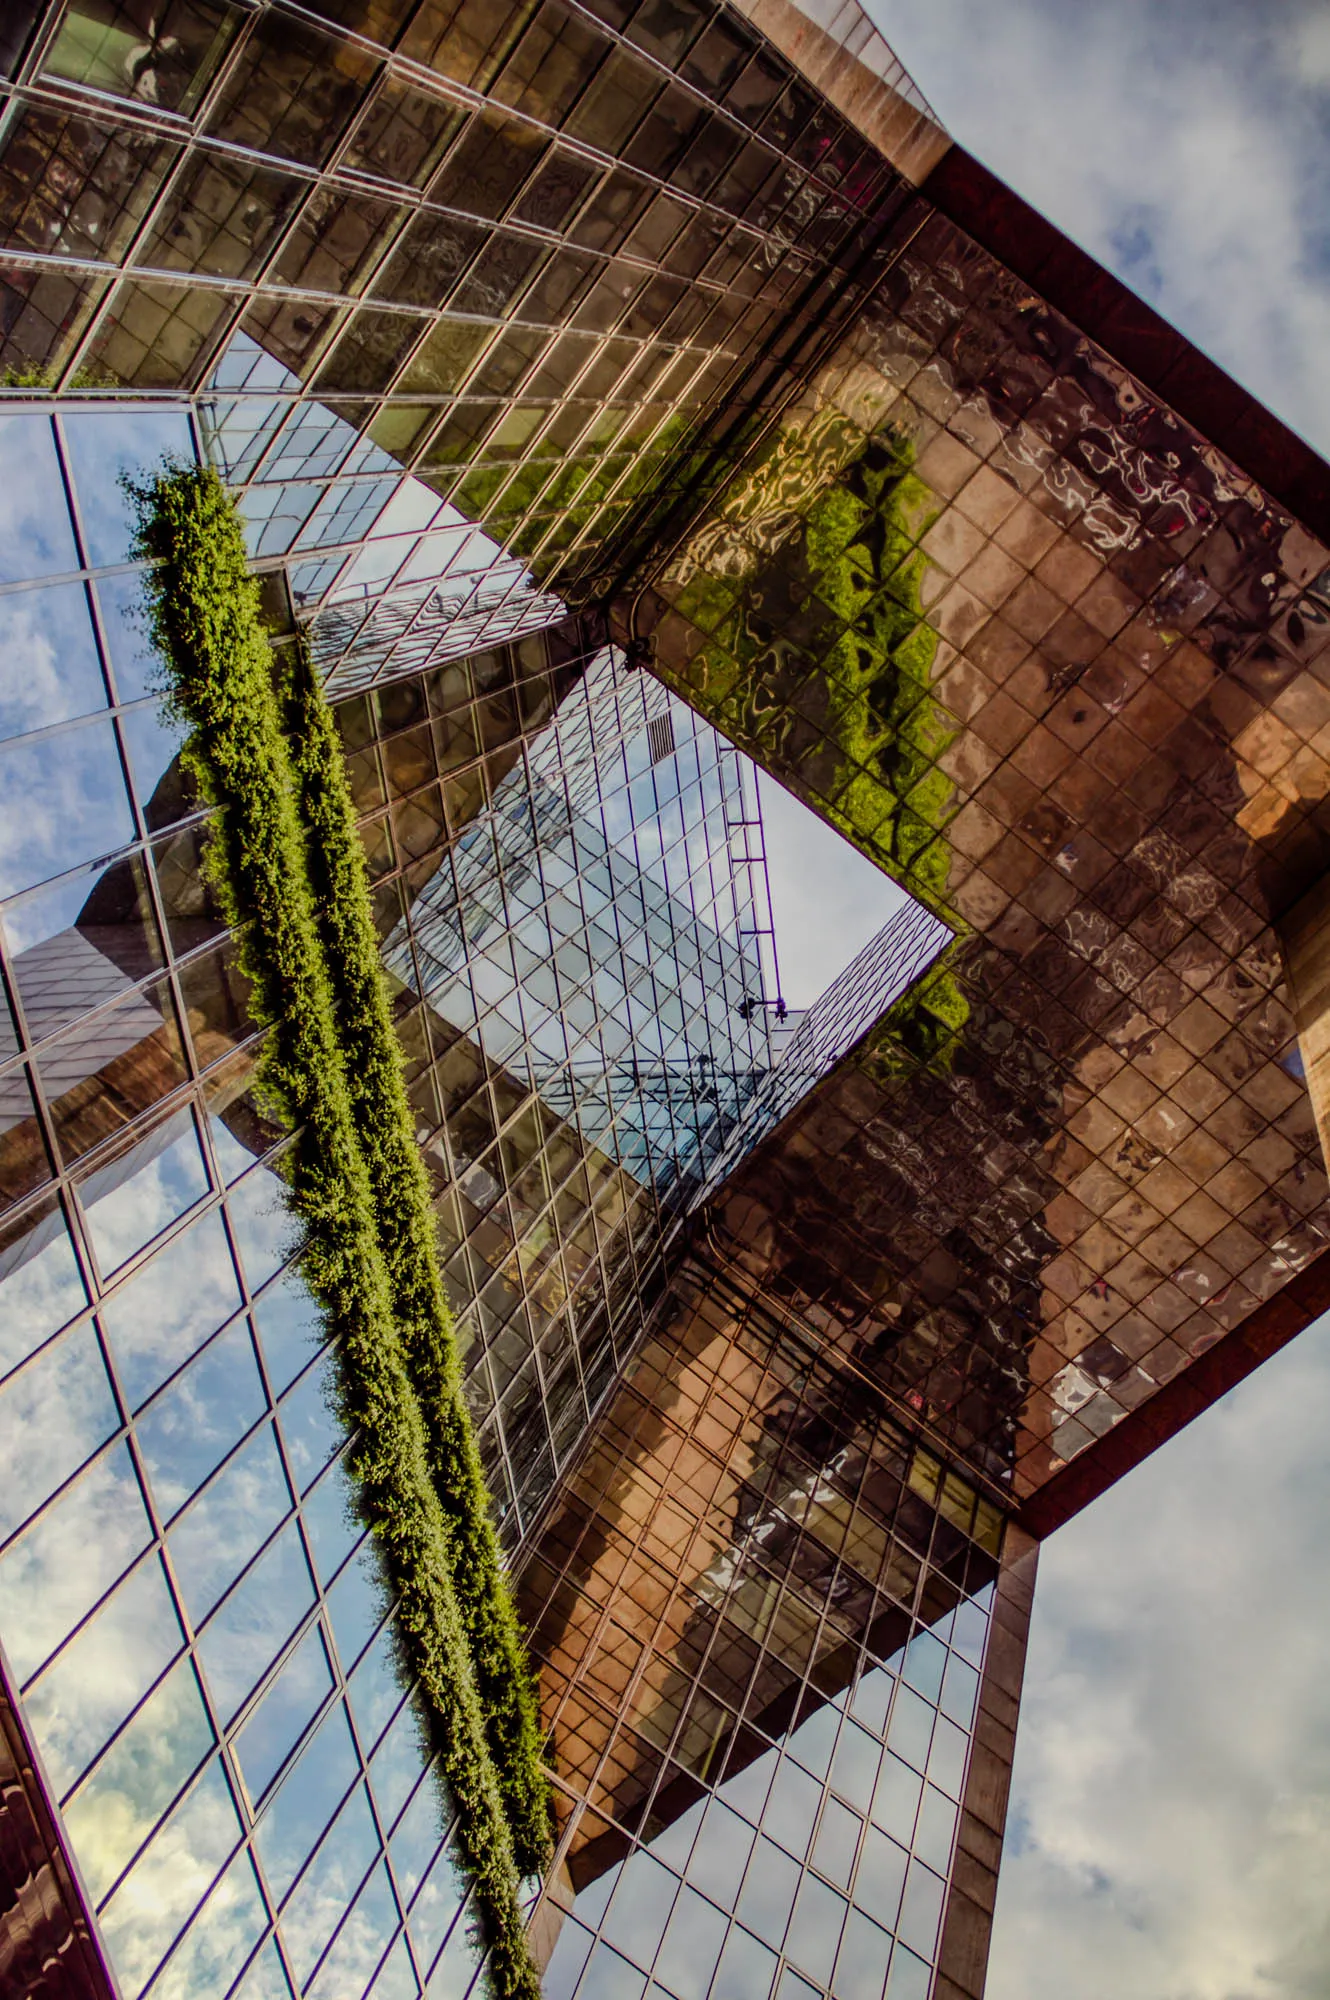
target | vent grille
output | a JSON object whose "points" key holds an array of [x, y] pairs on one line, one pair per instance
{"points": [[660, 737]]}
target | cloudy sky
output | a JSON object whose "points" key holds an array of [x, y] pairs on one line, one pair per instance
{"points": [[1171, 1826]]}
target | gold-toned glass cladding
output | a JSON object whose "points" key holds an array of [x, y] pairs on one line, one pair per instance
{"points": [[1043, 653], [759, 1609]]}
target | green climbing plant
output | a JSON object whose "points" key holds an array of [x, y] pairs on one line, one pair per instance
{"points": [[285, 861]]}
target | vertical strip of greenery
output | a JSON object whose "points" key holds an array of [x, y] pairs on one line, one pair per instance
{"points": [[382, 1114], [205, 620]]}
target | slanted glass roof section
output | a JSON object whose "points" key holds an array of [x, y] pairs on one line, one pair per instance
{"points": [[392, 579], [598, 929]]}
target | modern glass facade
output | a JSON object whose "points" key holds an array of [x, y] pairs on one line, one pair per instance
{"points": [[614, 393], [192, 1617], [761, 1616]]}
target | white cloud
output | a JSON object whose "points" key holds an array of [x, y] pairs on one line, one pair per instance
{"points": [[1171, 1804], [827, 900], [1184, 146]]}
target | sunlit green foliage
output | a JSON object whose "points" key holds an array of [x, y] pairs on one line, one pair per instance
{"points": [[297, 893]]}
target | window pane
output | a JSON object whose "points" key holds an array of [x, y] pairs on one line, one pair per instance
{"points": [[286, 1710], [135, 666], [334, 1876], [861, 1968], [896, 1800], [397, 1764], [911, 1727], [219, 1939], [881, 1876], [768, 1892], [745, 1971], [102, 45], [815, 1929], [265, 1979], [59, 807], [249, 1631], [375, 1689], [50, 669], [792, 1808], [39, 539], [310, 1427], [306, 1799], [909, 1978], [290, 1327], [134, 1198], [153, 739], [837, 1842], [721, 1854], [188, 1431], [414, 1841], [169, 1308], [264, 1227], [133, 1051], [101, 1675], [691, 1947], [171, 1878], [81, 942], [436, 1907], [115, 1810], [219, 1532], [640, 1907], [53, 1415], [105, 447], [396, 1979], [921, 1909], [70, 1557], [334, 1527], [40, 1286], [361, 1942]]}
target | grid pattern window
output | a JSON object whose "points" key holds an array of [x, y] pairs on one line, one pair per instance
{"points": [[191, 1616], [761, 1618], [1063, 670], [814, 1040], [197, 1639], [404, 580], [527, 256], [599, 929], [571, 982]]}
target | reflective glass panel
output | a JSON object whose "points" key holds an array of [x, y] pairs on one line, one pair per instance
{"points": [[105, 448], [247, 1633], [50, 669], [39, 538], [171, 1878], [134, 1198], [95, 1683], [166, 1310], [53, 1415], [306, 1799], [285, 1711], [188, 1431], [115, 1809], [40, 1286], [70, 1557], [219, 1532], [60, 806]]}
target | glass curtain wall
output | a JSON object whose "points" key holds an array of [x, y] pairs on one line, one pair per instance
{"points": [[528, 255], [761, 1614], [191, 1619]]}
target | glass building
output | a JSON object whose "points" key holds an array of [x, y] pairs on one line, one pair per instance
{"points": [[620, 396]]}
